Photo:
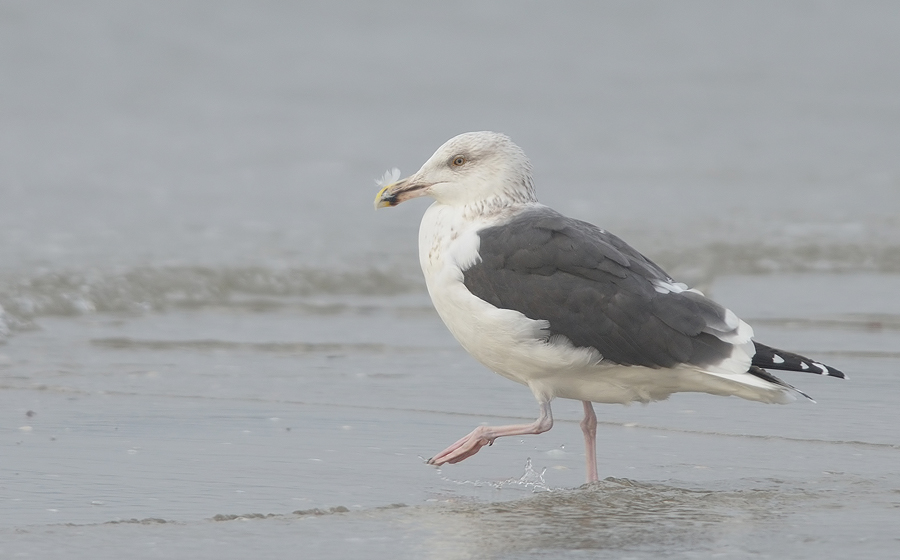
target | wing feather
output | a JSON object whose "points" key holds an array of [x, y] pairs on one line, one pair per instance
{"points": [[597, 291]]}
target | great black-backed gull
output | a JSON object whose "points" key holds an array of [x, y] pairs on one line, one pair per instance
{"points": [[563, 306]]}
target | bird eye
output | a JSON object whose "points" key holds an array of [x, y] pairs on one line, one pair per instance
{"points": [[458, 161]]}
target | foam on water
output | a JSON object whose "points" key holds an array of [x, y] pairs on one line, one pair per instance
{"points": [[26, 295], [4, 325], [138, 290]]}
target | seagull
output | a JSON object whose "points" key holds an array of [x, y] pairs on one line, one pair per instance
{"points": [[564, 307]]}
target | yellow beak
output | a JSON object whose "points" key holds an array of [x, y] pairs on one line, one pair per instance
{"points": [[403, 190], [381, 200]]}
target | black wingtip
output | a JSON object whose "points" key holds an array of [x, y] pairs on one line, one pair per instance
{"points": [[763, 374], [767, 357]]}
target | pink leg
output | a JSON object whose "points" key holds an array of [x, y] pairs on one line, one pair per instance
{"points": [[485, 435], [589, 427]]}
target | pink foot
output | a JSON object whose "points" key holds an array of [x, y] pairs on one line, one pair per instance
{"points": [[485, 435], [464, 448]]}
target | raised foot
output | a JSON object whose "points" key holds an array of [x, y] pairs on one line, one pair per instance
{"points": [[485, 435], [464, 448]]}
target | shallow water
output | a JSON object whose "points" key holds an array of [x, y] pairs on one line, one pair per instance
{"points": [[211, 347]]}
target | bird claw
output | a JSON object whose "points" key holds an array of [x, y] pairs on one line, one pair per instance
{"points": [[462, 449]]}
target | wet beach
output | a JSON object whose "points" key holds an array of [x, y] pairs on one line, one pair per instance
{"points": [[212, 347]]}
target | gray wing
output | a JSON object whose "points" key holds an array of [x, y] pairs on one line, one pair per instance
{"points": [[595, 290]]}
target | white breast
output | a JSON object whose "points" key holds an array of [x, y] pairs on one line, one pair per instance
{"points": [[504, 340]]}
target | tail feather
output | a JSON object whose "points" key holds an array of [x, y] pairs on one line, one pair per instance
{"points": [[767, 357]]}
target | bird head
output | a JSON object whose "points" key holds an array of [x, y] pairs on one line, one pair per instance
{"points": [[472, 168]]}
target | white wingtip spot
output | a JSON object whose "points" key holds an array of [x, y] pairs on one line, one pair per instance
{"points": [[803, 365], [823, 367], [776, 359]]}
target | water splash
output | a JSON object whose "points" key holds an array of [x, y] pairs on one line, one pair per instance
{"points": [[530, 480]]}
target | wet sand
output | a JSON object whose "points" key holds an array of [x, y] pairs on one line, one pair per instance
{"points": [[149, 443]]}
